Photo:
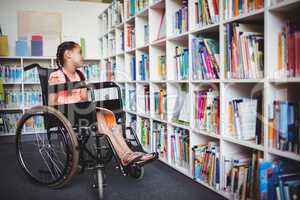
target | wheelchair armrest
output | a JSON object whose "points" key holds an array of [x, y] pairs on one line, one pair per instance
{"points": [[69, 86]]}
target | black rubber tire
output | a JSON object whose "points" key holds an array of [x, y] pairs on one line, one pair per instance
{"points": [[72, 145]]}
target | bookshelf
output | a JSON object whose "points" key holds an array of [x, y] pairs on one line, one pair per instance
{"points": [[163, 76], [22, 89]]}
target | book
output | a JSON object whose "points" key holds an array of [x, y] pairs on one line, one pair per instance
{"points": [[181, 56], [244, 51], [146, 34], [8, 122], [132, 100], [131, 8], [206, 12], [146, 95], [145, 132], [37, 45], [206, 163], [117, 12], [144, 67], [132, 68], [181, 108], [159, 140], [179, 147], [22, 47], [10, 73], [241, 175], [161, 67], [207, 110], [180, 19], [242, 119], [141, 4], [283, 128], [205, 59], [160, 103], [233, 8], [4, 50], [92, 72], [288, 49], [130, 36]]}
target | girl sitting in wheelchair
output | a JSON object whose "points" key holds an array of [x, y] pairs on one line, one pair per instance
{"points": [[69, 60]]}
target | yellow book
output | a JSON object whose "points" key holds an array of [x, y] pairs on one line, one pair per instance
{"points": [[279, 58], [4, 45]]}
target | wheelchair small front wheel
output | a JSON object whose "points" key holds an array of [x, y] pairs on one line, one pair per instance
{"points": [[100, 184], [136, 171], [46, 146]]}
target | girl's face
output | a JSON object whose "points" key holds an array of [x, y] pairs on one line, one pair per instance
{"points": [[75, 56]]}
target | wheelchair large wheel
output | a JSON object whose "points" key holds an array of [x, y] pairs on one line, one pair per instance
{"points": [[46, 146]]}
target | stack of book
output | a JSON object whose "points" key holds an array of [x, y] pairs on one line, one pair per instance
{"points": [[279, 179], [241, 175], [132, 100], [13, 98], [180, 19], [288, 63], [130, 6], [205, 59], [159, 140], [36, 124], [181, 63], [145, 132], [32, 97], [206, 163], [141, 4], [240, 7], [206, 12], [161, 67], [284, 126], [130, 36], [179, 147], [9, 122], [144, 67], [244, 47], [117, 12], [31, 76], [242, 117], [132, 68], [146, 99], [92, 72], [10, 74], [160, 103], [207, 111]]}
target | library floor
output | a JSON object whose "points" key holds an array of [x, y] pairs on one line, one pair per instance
{"points": [[160, 182]]}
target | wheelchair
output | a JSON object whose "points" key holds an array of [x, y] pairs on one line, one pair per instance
{"points": [[55, 143]]}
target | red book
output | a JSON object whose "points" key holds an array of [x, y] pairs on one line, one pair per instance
{"points": [[36, 37], [297, 53], [216, 7]]}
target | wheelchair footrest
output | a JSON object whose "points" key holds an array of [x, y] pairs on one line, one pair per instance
{"points": [[142, 163]]}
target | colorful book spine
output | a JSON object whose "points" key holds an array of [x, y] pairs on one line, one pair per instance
{"points": [[244, 52], [110, 69], [130, 36], [206, 12], [159, 140], [132, 69], [206, 164], [242, 119], [92, 72], [31, 76], [117, 12], [181, 62], [233, 8], [131, 8], [207, 111], [288, 61], [283, 128], [205, 59], [160, 103], [13, 98], [241, 175], [141, 4], [180, 19], [9, 122], [145, 132], [144, 67], [179, 147], [10, 73], [147, 99]]}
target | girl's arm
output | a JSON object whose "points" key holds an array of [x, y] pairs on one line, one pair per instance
{"points": [[52, 99]]}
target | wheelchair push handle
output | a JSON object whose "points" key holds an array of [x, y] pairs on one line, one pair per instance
{"points": [[29, 67]]}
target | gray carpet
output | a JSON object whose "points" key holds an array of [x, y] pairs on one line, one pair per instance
{"points": [[160, 182]]}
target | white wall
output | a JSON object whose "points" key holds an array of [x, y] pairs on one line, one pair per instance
{"points": [[78, 19]]}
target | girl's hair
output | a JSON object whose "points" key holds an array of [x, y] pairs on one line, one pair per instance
{"points": [[69, 45]]}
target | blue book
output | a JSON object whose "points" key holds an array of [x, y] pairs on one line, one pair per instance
{"points": [[264, 167], [36, 47], [283, 125], [21, 48]]}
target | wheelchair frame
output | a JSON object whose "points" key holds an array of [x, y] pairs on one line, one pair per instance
{"points": [[84, 132]]}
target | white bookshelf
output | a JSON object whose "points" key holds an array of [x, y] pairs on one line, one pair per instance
{"points": [[24, 85], [271, 18]]}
